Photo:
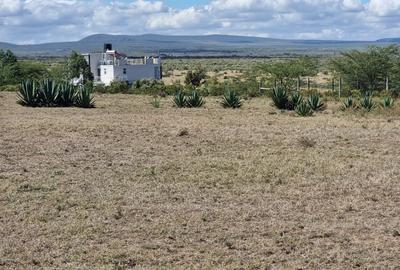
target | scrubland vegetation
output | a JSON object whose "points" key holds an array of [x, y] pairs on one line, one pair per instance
{"points": [[266, 170]]}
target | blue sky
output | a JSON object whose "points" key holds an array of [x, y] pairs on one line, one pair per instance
{"points": [[37, 21]]}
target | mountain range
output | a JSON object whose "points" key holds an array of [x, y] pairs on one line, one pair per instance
{"points": [[207, 45]]}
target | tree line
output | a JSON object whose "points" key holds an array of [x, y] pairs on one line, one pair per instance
{"points": [[373, 69]]}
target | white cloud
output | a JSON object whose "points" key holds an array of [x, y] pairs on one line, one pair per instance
{"points": [[9, 7], [60, 20], [384, 7]]}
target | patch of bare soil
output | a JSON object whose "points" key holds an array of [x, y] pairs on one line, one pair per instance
{"points": [[128, 186]]}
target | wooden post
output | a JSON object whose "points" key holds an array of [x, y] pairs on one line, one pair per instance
{"points": [[387, 83], [298, 84], [333, 85], [340, 87], [308, 84]]}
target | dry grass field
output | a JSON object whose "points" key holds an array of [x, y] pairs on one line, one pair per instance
{"points": [[128, 186]]}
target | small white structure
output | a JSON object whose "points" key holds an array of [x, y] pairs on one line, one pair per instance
{"points": [[110, 65]]}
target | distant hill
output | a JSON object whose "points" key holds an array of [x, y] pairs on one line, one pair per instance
{"points": [[210, 45], [389, 40]]}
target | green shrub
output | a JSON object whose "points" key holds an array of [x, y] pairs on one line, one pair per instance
{"points": [[118, 87], [280, 98], [304, 109], [84, 97], [367, 103], [387, 102], [28, 94], [100, 88], [315, 102], [179, 99], [194, 100], [10, 88], [231, 100]]}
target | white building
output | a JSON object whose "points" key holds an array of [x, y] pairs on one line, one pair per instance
{"points": [[110, 65]]}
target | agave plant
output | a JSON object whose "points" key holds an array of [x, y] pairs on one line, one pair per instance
{"points": [[280, 98], [348, 103], [315, 102], [194, 100], [66, 95], [156, 102], [295, 99], [304, 109], [48, 93], [367, 103], [28, 94], [179, 99], [387, 102], [84, 98], [231, 100]]}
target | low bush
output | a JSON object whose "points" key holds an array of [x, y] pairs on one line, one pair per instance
{"points": [[118, 87], [10, 88]]}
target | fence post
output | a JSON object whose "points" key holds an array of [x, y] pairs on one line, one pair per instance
{"points": [[387, 83], [333, 84], [298, 84], [308, 84], [340, 87]]}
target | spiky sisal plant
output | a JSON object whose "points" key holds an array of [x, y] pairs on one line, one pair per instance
{"points": [[303, 109], [84, 97], [28, 94], [315, 102], [367, 103], [66, 95], [231, 100], [179, 99], [280, 98], [48, 93], [348, 103], [295, 99], [387, 102], [194, 100]]}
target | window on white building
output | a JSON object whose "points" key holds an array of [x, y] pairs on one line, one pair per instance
{"points": [[124, 70]]}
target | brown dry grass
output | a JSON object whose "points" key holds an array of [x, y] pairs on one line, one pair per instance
{"points": [[116, 187]]}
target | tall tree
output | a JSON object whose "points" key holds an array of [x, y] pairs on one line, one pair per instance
{"points": [[286, 72], [9, 70], [78, 66], [368, 70]]}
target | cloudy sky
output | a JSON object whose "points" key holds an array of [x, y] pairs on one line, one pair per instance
{"points": [[37, 21]]}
